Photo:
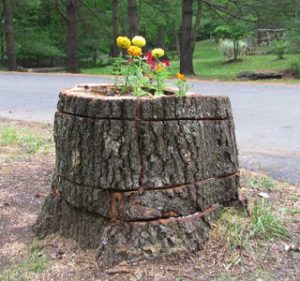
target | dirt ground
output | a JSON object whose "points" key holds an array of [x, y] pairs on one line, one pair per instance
{"points": [[25, 179]]}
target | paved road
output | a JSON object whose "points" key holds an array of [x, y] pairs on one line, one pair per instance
{"points": [[267, 116]]}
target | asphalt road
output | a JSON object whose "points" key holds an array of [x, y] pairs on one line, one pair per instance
{"points": [[267, 116]]}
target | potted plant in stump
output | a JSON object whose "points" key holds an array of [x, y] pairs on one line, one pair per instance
{"points": [[141, 170]]}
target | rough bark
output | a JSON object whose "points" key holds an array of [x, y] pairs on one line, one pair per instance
{"points": [[150, 204], [186, 42], [132, 18], [140, 177], [72, 40], [117, 241], [115, 25], [9, 32]]}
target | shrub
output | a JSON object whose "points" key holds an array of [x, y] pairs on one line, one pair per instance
{"points": [[294, 69], [279, 48]]}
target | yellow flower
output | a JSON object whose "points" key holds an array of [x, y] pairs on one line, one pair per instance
{"points": [[180, 76], [138, 41], [158, 52], [134, 51], [158, 67], [123, 42]]}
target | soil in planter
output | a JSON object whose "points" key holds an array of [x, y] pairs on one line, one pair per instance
{"points": [[113, 91]]}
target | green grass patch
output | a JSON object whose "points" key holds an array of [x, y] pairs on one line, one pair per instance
{"points": [[260, 182], [291, 211], [265, 223], [239, 233], [25, 140], [209, 63], [262, 275], [224, 277], [263, 182], [238, 229], [37, 262]]}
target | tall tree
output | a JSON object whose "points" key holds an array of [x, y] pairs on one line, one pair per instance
{"points": [[196, 27], [116, 25], [10, 38], [186, 38], [72, 38], [132, 18]]}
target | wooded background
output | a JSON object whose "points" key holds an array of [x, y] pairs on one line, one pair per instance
{"points": [[80, 33]]}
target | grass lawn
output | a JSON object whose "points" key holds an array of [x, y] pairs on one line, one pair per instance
{"points": [[209, 63]]}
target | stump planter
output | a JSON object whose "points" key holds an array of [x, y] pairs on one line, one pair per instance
{"points": [[139, 177]]}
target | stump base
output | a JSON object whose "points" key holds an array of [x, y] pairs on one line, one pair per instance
{"points": [[117, 241]]}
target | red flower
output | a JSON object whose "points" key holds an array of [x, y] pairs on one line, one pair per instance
{"points": [[166, 62], [149, 58]]}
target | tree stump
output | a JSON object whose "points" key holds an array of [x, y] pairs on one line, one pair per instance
{"points": [[139, 177]]}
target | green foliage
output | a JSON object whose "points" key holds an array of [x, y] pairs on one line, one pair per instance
{"points": [[37, 44], [40, 26], [234, 32], [182, 86], [209, 63], [223, 31], [279, 48], [294, 69], [135, 78], [39, 32]]}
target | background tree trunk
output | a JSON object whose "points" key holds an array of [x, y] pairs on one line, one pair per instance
{"points": [[10, 39], [72, 40], [132, 18], [196, 24], [186, 44], [116, 25], [160, 36]]}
